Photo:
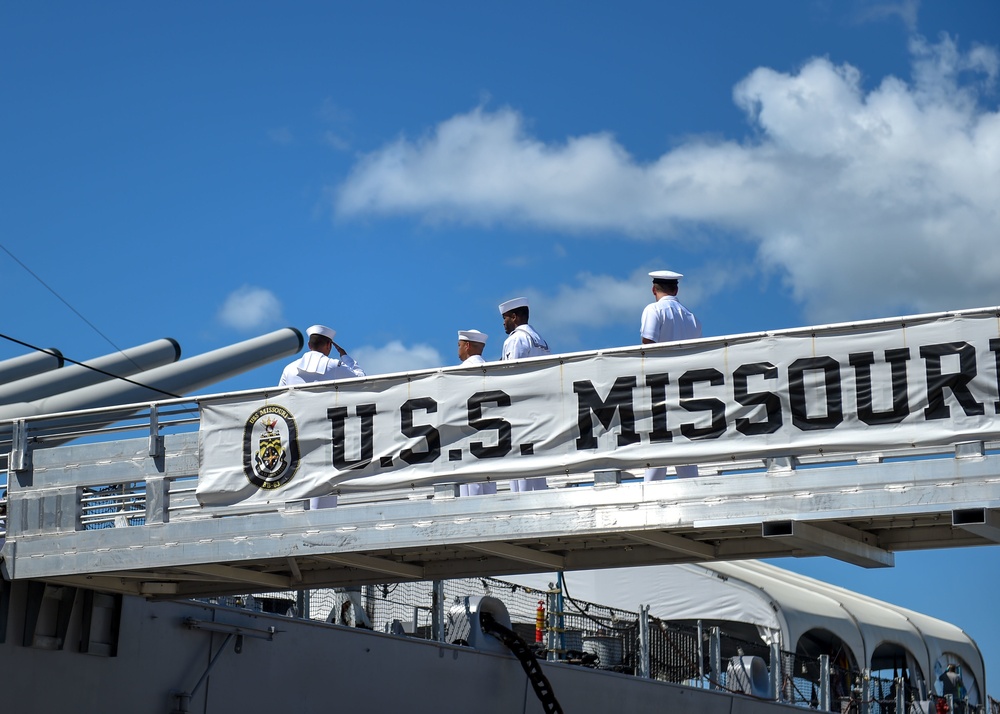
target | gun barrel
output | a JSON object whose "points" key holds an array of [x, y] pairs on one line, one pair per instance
{"points": [[66, 379], [179, 378], [30, 364]]}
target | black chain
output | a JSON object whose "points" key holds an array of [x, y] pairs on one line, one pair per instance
{"points": [[513, 642]]}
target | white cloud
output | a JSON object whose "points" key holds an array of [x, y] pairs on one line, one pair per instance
{"points": [[591, 301], [249, 308], [396, 357], [865, 201], [481, 167]]}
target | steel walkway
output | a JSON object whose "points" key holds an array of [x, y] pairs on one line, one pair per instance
{"points": [[106, 498], [110, 515]]}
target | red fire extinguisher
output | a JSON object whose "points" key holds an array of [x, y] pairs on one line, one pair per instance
{"points": [[540, 621]]}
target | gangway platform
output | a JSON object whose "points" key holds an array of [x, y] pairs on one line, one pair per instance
{"points": [[798, 454]]}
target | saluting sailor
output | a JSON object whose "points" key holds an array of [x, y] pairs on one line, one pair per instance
{"points": [[470, 346], [522, 341], [316, 365], [666, 320]]}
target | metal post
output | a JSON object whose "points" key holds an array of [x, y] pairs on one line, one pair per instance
{"points": [[157, 501], [642, 668], [866, 691], [437, 611], [777, 672], [824, 683], [20, 456], [701, 655], [560, 616], [550, 626], [155, 438], [900, 695], [715, 658]]}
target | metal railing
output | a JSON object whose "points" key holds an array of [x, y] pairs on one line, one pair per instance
{"points": [[103, 505]]}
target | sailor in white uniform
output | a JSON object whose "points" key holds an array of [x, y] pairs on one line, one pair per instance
{"points": [[470, 350], [522, 341], [316, 365], [666, 320], [470, 346]]}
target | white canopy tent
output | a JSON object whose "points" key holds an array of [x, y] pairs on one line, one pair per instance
{"points": [[785, 607]]}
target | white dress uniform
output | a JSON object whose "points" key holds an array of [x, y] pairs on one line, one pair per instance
{"points": [[484, 487], [317, 367], [523, 341], [666, 320]]}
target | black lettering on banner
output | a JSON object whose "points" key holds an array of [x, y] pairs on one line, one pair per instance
{"points": [[862, 363], [958, 382], [685, 386], [428, 432], [338, 428], [657, 384], [995, 349], [619, 399], [797, 393], [502, 426], [769, 400]]}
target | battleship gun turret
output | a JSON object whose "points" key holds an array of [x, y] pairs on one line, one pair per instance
{"points": [[153, 380], [67, 379]]}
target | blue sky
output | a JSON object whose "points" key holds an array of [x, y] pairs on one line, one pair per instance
{"points": [[213, 171]]}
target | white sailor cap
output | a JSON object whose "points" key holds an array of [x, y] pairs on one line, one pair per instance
{"points": [[472, 336], [517, 302], [665, 275], [321, 330]]}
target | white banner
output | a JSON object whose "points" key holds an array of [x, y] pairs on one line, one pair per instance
{"points": [[912, 381]]}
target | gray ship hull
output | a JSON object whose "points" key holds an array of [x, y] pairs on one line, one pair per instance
{"points": [[164, 649]]}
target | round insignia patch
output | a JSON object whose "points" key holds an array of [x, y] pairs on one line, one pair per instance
{"points": [[270, 447]]}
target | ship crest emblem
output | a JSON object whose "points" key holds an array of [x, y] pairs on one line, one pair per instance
{"points": [[270, 447]]}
